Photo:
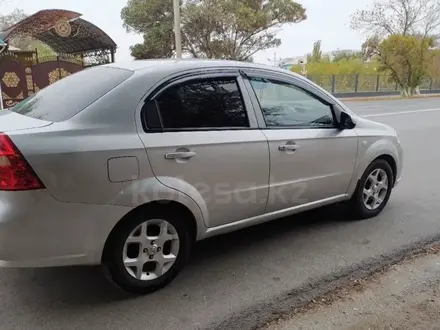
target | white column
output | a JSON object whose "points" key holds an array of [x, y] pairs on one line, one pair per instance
{"points": [[177, 33]]}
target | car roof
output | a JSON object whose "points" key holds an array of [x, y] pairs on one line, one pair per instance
{"points": [[190, 63]]}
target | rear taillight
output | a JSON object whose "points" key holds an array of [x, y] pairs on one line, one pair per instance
{"points": [[15, 171]]}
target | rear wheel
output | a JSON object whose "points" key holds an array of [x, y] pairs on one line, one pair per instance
{"points": [[147, 251], [373, 190]]}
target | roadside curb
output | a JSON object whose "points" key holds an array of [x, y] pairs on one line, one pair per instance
{"points": [[264, 312], [387, 98]]}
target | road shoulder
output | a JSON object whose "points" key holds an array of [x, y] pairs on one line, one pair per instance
{"points": [[402, 296]]}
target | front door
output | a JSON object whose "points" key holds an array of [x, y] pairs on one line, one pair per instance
{"points": [[205, 143], [311, 159]]}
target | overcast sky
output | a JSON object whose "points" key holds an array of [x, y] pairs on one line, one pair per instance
{"points": [[327, 21]]}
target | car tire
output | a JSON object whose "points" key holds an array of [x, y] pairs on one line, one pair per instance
{"points": [[122, 256], [362, 205]]}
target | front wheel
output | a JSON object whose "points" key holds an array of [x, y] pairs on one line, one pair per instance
{"points": [[373, 190], [147, 251]]}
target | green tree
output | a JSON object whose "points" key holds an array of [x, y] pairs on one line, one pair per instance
{"points": [[316, 52], [348, 56], [227, 29], [153, 19], [406, 58], [416, 23], [158, 43], [434, 66]]}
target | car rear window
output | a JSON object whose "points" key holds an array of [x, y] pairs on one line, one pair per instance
{"points": [[70, 95]]}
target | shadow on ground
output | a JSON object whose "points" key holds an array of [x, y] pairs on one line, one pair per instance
{"points": [[87, 286], [290, 226]]}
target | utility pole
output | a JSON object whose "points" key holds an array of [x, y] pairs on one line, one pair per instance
{"points": [[177, 33], [275, 61]]}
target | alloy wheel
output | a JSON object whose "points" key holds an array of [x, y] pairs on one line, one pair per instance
{"points": [[151, 249], [375, 189]]}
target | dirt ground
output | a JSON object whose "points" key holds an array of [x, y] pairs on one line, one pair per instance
{"points": [[406, 296]]}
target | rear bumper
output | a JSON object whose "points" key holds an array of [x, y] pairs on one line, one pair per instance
{"points": [[38, 231]]}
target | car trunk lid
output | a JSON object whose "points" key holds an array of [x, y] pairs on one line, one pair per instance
{"points": [[11, 121]]}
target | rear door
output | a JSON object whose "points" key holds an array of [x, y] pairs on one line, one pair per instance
{"points": [[311, 159], [202, 138]]}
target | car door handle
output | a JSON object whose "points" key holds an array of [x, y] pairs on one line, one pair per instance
{"points": [[288, 147], [180, 155]]}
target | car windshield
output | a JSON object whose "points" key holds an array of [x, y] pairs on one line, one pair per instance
{"points": [[69, 96]]}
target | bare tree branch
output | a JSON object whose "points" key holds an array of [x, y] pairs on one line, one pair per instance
{"points": [[405, 17]]}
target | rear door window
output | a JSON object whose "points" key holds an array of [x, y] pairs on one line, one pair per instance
{"points": [[203, 104], [70, 95]]}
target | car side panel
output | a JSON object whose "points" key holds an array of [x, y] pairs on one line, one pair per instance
{"points": [[321, 167], [72, 161], [228, 177], [371, 148], [375, 140]]}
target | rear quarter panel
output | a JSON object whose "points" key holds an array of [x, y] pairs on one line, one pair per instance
{"points": [[72, 161], [71, 157]]}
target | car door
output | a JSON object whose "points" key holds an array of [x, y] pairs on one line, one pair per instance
{"points": [[202, 138], [311, 159]]}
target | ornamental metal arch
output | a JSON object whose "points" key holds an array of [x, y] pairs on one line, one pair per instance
{"points": [[63, 31], [76, 42]]}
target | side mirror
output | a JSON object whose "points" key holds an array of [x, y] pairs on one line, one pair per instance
{"points": [[346, 122]]}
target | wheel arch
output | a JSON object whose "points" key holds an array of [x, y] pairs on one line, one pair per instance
{"points": [[391, 161], [381, 149], [386, 157], [187, 216]]}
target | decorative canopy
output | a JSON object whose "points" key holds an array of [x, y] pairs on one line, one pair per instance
{"points": [[63, 31]]}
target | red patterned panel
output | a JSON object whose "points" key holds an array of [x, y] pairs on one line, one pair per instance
{"points": [[70, 66], [48, 73], [44, 74], [13, 82]]}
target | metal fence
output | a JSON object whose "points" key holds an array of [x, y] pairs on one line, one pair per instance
{"points": [[367, 84]]}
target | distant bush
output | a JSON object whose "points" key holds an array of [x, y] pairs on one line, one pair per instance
{"points": [[342, 67]]}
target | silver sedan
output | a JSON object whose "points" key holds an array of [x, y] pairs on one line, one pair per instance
{"points": [[127, 165]]}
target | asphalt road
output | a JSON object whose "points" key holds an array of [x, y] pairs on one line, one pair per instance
{"points": [[235, 273]]}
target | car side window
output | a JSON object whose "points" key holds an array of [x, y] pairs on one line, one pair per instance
{"points": [[285, 105], [203, 103]]}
